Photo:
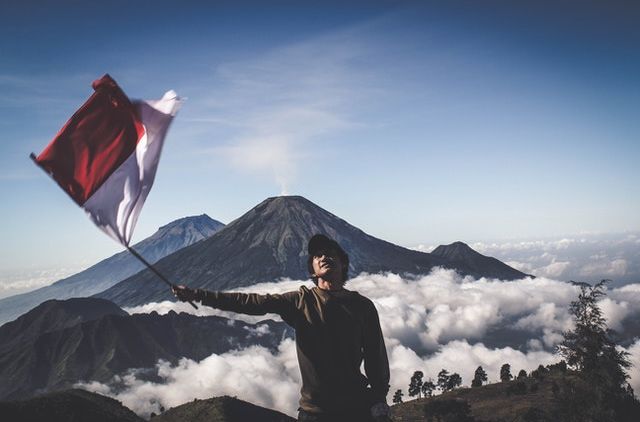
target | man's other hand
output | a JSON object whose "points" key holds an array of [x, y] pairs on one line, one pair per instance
{"points": [[184, 293], [380, 412]]}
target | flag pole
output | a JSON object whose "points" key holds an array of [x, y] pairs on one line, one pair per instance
{"points": [[156, 272], [133, 251]]}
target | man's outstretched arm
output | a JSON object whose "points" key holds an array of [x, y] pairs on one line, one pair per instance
{"points": [[284, 304]]}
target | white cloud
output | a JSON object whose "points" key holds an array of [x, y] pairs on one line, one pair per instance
{"points": [[258, 331], [547, 315], [634, 371], [431, 322], [630, 292], [272, 380], [615, 311], [525, 267], [442, 306], [255, 374], [16, 282], [604, 266], [423, 248], [283, 100], [463, 358], [553, 270], [587, 257]]}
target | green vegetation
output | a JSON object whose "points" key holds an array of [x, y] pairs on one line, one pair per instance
{"points": [[428, 388], [415, 385], [397, 397], [479, 377], [505, 373], [447, 382]]}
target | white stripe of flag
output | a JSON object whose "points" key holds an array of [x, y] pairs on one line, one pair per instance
{"points": [[107, 154]]}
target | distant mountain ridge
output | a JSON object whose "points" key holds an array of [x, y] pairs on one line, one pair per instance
{"points": [[166, 240], [108, 342], [55, 315], [268, 243], [462, 254]]}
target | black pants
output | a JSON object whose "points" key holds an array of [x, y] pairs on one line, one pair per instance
{"points": [[363, 416]]}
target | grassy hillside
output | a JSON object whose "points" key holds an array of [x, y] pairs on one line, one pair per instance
{"points": [[518, 400], [220, 409]]}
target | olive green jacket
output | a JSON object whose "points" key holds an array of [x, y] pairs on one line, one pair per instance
{"points": [[335, 332]]}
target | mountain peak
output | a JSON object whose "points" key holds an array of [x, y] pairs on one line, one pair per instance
{"points": [[278, 221], [456, 251], [284, 202], [478, 264], [196, 226], [202, 219], [221, 409], [286, 198]]}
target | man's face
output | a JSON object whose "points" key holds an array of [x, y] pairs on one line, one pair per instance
{"points": [[328, 265]]}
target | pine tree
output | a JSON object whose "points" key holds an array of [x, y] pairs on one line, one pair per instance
{"points": [[599, 393], [522, 374], [415, 386], [397, 397], [505, 373], [479, 377], [539, 373], [589, 348]]}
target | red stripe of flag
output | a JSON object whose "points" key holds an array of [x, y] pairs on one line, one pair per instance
{"points": [[97, 139]]}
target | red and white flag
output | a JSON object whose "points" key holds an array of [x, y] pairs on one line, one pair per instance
{"points": [[105, 157]]}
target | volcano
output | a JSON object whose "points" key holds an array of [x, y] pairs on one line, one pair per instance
{"points": [[268, 243]]}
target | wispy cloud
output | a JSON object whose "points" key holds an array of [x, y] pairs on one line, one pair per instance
{"points": [[282, 102]]}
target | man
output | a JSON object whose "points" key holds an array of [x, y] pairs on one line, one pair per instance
{"points": [[336, 329]]}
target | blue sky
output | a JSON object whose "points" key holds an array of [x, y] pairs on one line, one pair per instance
{"points": [[420, 122]]}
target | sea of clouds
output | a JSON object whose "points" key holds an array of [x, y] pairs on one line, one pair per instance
{"points": [[14, 282], [429, 322]]}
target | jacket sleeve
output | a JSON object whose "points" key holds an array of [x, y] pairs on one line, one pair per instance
{"points": [[284, 304], [376, 363]]}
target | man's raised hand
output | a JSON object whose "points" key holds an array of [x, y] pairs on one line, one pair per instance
{"points": [[183, 293]]}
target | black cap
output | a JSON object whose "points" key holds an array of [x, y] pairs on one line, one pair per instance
{"points": [[321, 242]]}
